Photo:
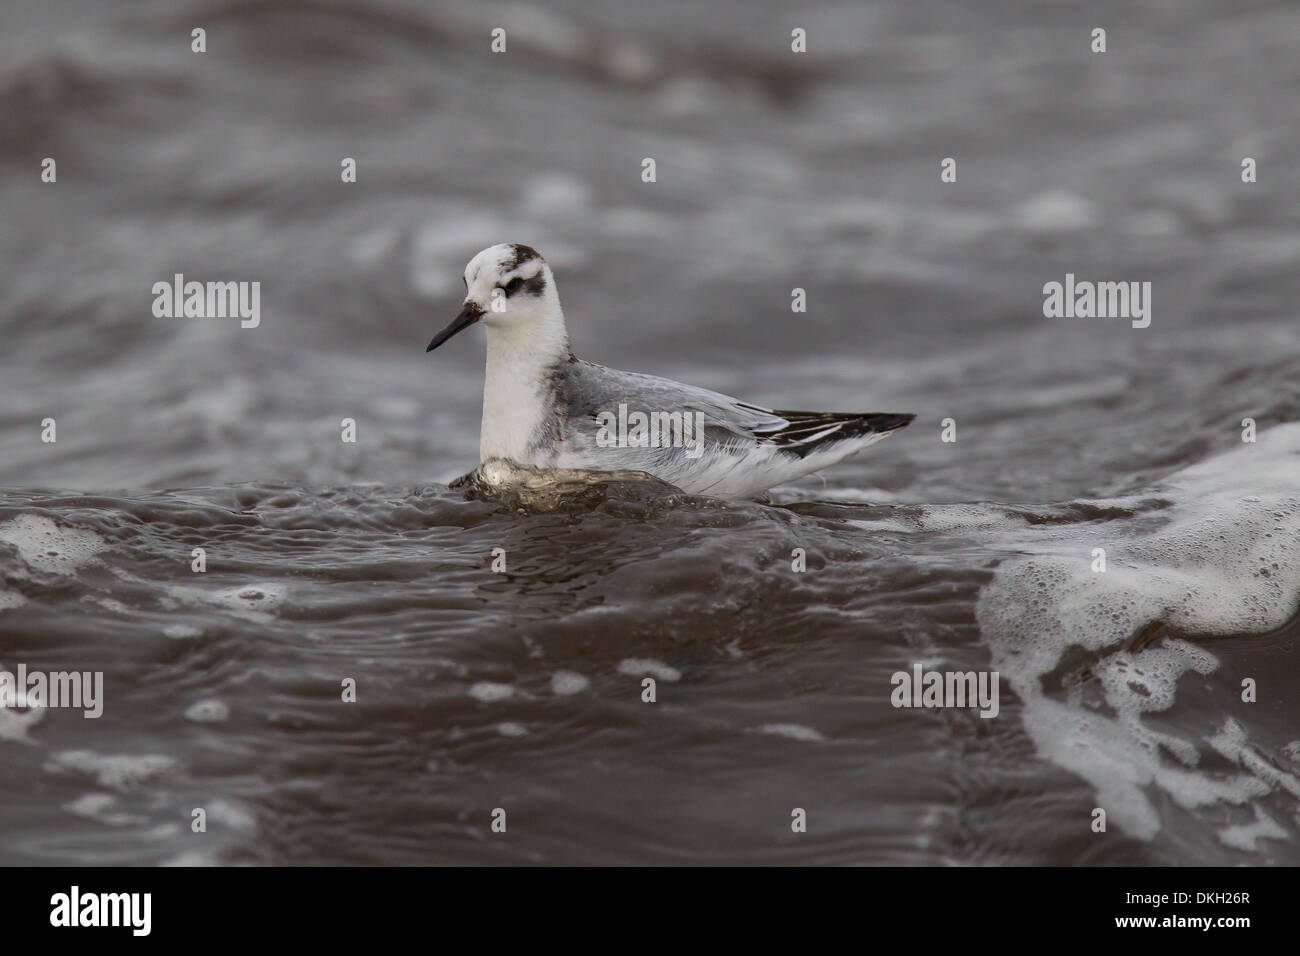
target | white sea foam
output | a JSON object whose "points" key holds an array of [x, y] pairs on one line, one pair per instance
{"points": [[209, 711], [117, 772], [1246, 836], [103, 808], [793, 731], [255, 602], [1222, 558], [230, 814], [565, 683], [14, 724], [963, 517], [46, 546], [644, 666], [490, 693], [181, 632]]}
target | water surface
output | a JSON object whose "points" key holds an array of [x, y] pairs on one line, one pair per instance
{"points": [[522, 690]]}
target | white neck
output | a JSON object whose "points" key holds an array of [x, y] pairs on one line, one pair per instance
{"points": [[516, 391]]}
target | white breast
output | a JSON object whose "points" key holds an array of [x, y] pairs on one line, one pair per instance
{"points": [[516, 399]]}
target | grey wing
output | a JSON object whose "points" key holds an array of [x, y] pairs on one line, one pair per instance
{"points": [[728, 422], [592, 389]]}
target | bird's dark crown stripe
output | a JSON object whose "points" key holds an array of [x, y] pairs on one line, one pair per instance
{"points": [[523, 254]]}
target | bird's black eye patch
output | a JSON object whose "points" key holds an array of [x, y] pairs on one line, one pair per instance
{"points": [[513, 285]]}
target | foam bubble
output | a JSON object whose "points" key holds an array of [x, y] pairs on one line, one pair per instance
{"points": [[793, 731], [102, 807], [490, 693], [207, 711], [565, 683], [231, 815], [257, 601], [46, 546], [121, 772], [1246, 836], [11, 599], [14, 724], [109, 604], [251, 597], [962, 517], [645, 666]]}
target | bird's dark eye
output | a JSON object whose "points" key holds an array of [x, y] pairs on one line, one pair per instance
{"points": [[513, 285]]}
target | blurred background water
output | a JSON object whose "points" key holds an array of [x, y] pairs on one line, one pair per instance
{"points": [[521, 690]]}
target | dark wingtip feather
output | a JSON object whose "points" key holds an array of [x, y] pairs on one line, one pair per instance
{"points": [[798, 436], [889, 421]]}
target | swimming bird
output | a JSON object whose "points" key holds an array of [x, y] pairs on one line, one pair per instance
{"points": [[545, 408]]}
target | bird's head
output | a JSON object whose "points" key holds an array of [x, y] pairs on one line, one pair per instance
{"points": [[508, 285]]}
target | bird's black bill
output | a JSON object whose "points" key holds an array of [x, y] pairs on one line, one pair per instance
{"points": [[468, 316]]}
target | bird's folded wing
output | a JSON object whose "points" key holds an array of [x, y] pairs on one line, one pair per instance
{"points": [[595, 389]]}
